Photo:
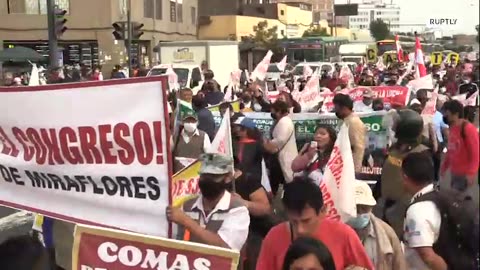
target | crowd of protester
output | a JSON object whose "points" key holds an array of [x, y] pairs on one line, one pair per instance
{"points": [[410, 224]]}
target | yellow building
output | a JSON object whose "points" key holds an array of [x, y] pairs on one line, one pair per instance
{"points": [[291, 22]]}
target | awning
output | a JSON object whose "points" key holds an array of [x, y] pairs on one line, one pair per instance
{"points": [[20, 54]]}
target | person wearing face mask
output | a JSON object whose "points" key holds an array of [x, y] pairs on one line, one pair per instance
{"points": [[468, 86], [379, 239], [215, 217], [191, 143], [462, 158], [364, 105], [357, 131], [282, 148]]}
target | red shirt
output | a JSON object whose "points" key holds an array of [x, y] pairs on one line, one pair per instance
{"points": [[341, 240], [462, 156]]}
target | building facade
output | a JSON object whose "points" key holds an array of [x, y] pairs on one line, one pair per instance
{"points": [[89, 38], [291, 21], [368, 12]]}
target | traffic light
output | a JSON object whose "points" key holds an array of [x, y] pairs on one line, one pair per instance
{"points": [[60, 21], [119, 31], [137, 30]]}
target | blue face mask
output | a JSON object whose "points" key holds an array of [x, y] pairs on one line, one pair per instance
{"points": [[360, 222]]}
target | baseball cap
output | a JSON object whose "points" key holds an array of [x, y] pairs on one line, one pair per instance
{"points": [[363, 194], [245, 122], [189, 114], [213, 163]]}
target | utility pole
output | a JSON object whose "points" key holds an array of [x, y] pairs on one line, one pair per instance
{"points": [[128, 42], [52, 35]]}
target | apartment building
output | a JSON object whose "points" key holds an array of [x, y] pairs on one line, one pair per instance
{"points": [[89, 38], [368, 12]]}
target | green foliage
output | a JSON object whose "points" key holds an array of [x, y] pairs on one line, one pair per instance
{"points": [[265, 37], [379, 30], [316, 31]]}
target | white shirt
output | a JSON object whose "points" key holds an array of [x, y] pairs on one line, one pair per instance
{"points": [[283, 135], [421, 229], [206, 139], [234, 230], [359, 106]]}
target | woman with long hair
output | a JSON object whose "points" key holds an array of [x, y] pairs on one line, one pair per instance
{"points": [[307, 253], [315, 154]]}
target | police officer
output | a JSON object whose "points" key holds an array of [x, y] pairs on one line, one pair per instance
{"points": [[408, 129]]}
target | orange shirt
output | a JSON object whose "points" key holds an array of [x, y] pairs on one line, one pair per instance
{"points": [[340, 239]]}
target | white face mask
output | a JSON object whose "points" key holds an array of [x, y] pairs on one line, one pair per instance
{"points": [[190, 127]]}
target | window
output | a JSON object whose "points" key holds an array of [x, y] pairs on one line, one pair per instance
{"points": [[148, 9], [179, 12], [193, 13], [34, 6], [282, 12], [159, 9], [173, 11]]}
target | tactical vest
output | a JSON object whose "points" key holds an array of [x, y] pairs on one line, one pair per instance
{"points": [[192, 149], [213, 224], [392, 179]]}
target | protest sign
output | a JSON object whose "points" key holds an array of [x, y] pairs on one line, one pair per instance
{"points": [[306, 124], [384, 92], [436, 58], [453, 58], [338, 182], [103, 159], [372, 53], [390, 57], [185, 183], [102, 249]]}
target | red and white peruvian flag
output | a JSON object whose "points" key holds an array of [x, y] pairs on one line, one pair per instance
{"points": [[260, 72], [283, 64], [399, 49], [421, 70]]}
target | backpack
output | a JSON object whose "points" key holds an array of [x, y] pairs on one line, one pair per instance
{"points": [[458, 240]]}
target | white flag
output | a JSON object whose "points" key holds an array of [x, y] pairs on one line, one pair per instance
{"points": [[34, 77], [310, 96], [261, 70], [307, 71], [338, 184], [222, 143], [283, 64], [172, 78]]}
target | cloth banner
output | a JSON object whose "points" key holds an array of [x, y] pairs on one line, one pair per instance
{"points": [[90, 153], [384, 92], [101, 249], [338, 186]]}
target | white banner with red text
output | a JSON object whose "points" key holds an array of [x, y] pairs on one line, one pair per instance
{"points": [[91, 153], [102, 249], [337, 185]]}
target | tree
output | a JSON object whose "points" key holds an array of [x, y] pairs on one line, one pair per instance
{"points": [[315, 31], [379, 30], [265, 37]]}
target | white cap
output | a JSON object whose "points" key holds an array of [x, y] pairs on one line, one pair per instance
{"points": [[414, 101], [363, 194]]}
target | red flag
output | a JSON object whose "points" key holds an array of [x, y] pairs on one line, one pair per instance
{"points": [[399, 49], [419, 60]]}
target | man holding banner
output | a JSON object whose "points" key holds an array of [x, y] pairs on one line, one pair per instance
{"points": [[215, 217]]}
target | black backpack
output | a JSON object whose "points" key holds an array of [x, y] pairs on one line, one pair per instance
{"points": [[458, 240]]}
